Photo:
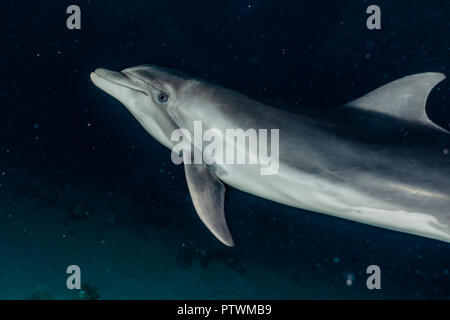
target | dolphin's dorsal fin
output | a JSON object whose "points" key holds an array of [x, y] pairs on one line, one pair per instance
{"points": [[404, 98], [208, 196]]}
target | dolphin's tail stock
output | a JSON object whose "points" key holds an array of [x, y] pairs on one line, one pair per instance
{"points": [[404, 99]]}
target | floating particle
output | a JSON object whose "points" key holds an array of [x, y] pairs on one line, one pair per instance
{"points": [[349, 278]]}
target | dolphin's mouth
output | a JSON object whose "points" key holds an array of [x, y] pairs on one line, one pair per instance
{"points": [[113, 82]]}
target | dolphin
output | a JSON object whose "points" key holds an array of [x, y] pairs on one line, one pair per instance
{"points": [[377, 160]]}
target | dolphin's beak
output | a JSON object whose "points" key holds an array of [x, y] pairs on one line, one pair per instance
{"points": [[117, 84]]}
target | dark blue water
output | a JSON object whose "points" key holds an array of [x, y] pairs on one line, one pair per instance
{"points": [[82, 183]]}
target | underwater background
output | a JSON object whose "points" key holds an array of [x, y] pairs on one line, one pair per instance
{"points": [[82, 183]]}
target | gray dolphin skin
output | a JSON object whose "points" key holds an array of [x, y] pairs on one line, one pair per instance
{"points": [[377, 160]]}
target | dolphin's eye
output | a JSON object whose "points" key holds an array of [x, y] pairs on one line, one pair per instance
{"points": [[162, 98]]}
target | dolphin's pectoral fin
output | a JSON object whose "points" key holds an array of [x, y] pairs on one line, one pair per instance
{"points": [[404, 98], [208, 196]]}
